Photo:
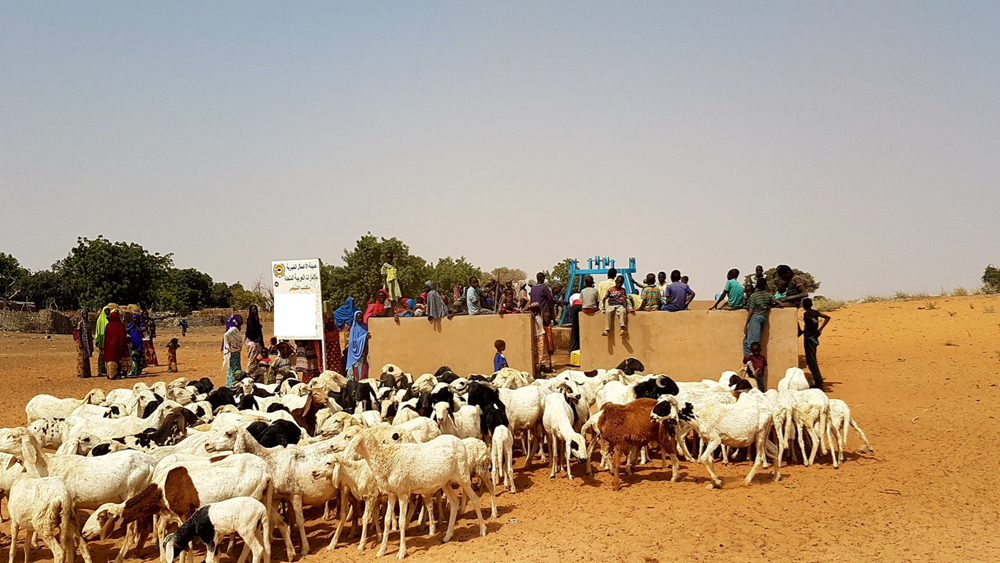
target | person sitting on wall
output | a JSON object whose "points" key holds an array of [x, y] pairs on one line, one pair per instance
{"points": [[616, 303], [652, 300], [474, 299], [604, 286], [679, 294], [732, 292]]}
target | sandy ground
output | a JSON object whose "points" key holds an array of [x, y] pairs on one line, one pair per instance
{"points": [[922, 383]]}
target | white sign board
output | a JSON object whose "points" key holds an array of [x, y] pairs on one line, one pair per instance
{"points": [[298, 300]]}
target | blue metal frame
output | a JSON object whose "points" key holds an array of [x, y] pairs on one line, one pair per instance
{"points": [[595, 266]]}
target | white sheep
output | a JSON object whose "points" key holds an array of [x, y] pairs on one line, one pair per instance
{"points": [[463, 422], [355, 479], [47, 406], [794, 380], [502, 458], [478, 456], [524, 407], [244, 516], [422, 428], [403, 469], [557, 421], [740, 425], [812, 414], [41, 504], [841, 422]]}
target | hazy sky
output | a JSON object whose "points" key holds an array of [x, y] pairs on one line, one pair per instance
{"points": [[859, 141]]}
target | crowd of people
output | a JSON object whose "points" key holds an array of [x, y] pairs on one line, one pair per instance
{"points": [[125, 350]]}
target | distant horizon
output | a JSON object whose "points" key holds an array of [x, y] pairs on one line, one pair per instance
{"points": [[698, 285], [859, 141]]}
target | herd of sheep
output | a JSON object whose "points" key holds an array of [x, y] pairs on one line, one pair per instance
{"points": [[241, 462]]}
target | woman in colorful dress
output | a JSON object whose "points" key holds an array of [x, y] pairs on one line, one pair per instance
{"points": [[148, 334], [306, 360], [344, 317], [84, 345], [331, 335], [99, 331], [115, 344]]}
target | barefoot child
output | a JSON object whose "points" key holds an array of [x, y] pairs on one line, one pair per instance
{"points": [[172, 347], [756, 365]]}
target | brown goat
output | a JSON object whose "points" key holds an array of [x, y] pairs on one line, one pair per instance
{"points": [[623, 427]]}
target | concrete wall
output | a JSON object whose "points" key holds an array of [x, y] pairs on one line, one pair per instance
{"points": [[463, 343], [690, 345]]}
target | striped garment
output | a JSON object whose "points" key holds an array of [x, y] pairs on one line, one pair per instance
{"points": [[652, 298], [761, 302]]}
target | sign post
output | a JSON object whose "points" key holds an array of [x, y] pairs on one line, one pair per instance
{"points": [[298, 301]]}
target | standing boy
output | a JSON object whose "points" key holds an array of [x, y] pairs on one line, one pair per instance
{"points": [[756, 363], [810, 333], [759, 304], [499, 360]]}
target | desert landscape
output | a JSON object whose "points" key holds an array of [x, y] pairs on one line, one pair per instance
{"points": [[920, 376]]}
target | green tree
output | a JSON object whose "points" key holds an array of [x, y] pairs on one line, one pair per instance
{"points": [[47, 289], [11, 273], [991, 279], [559, 273], [447, 272], [360, 275], [184, 290], [100, 271], [243, 298], [221, 296], [811, 284], [504, 274]]}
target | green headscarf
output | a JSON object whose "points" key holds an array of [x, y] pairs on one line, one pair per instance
{"points": [[102, 321]]}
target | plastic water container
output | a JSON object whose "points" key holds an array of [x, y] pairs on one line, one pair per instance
{"points": [[574, 358]]}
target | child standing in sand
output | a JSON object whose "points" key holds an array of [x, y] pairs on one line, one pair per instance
{"points": [[172, 347], [810, 336]]}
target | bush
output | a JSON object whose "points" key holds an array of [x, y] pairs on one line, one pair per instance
{"points": [[960, 292], [825, 305], [991, 279]]}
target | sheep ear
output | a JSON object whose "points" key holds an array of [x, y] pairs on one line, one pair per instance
{"points": [[11, 463], [28, 450]]}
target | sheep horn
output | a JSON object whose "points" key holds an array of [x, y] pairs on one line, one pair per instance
{"points": [[659, 380]]}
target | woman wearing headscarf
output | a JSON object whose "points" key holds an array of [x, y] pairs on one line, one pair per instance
{"points": [[232, 345], [378, 308], [405, 308], [148, 334], [344, 317], [84, 345], [357, 349], [331, 335], [254, 342], [306, 360], [134, 329], [102, 322], [436, 308], [115, 344]]}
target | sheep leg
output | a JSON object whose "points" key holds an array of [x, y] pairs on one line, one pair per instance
{"points": [[493, 496], [833, 453], [301, 522], [286, 534], [130, 532], [256, 544], [431, 521], [341, 519], [569, 472], [453, 505], [386, 526], [761, 455], [814, 437], [868, 446], [615, 461], [467, 488], [802, 442], [553, 459], [508, 477], [13, 541], [404, 510], [54, 547], [707, 459], [365, 518]]}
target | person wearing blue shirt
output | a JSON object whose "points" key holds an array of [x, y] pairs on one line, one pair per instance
{"points": [[679, 294], [732, 291], [499, 360]]}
